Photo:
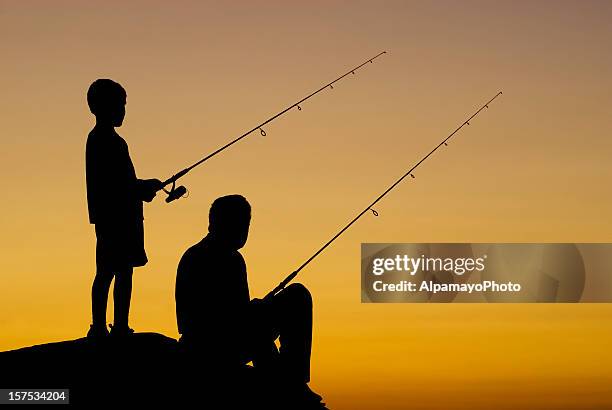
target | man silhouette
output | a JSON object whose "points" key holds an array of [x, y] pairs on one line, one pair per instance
{"points": [[114, 199], [218, 321]]}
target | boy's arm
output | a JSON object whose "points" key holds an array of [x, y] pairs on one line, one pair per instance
{"points": [[141, 189], [147, 188]]}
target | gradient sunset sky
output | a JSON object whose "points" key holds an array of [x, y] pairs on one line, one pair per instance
{"points": [[535, 167]]}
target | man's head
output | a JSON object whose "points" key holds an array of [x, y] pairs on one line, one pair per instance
{"points": [[106, 100], [229, 220]]}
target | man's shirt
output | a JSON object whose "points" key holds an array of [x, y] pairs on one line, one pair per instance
{"points": [[212, 293]]}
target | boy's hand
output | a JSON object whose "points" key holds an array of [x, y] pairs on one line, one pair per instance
{"points": [[151, 186], [156, 184]]}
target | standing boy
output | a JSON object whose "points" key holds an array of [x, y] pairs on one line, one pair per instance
{"points": [[114, 199]]}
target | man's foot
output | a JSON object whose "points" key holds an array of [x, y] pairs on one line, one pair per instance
{"points": [[97, 332], [120, 331]]}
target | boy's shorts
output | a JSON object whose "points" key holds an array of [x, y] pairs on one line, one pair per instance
{"points": [[120, 246]]}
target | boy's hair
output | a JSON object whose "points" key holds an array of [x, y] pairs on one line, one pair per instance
{"points": [[103, 93], [227, 210]]}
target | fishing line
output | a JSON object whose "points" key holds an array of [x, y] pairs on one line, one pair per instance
{"points": [[177, 192], [444, 142]]}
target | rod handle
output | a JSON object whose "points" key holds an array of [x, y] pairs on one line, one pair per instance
{"points": [[281, 285], [174, 178]]}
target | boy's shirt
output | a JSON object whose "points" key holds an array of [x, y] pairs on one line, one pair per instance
{"points": [[112, 186]]}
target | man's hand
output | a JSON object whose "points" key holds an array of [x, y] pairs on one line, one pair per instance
{"points": [[150, 188], [260, 304], [256, 301], [260, 312]]}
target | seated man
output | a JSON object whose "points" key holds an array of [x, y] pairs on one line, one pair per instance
{"points": [[220, 323]]}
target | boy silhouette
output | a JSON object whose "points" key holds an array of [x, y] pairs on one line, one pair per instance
{"points": [[221, 325], [114, 199]]}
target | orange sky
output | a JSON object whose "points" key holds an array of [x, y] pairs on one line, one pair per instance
{"points": [[535, 167]]}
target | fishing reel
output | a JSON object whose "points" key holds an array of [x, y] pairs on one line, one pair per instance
{"points": [[175, 192]]}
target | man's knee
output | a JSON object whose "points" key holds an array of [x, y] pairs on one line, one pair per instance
{"points": [[298, 293]]}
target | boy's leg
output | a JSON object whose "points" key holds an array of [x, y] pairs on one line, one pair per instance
{"points": [[122, 295], [99, 297]]}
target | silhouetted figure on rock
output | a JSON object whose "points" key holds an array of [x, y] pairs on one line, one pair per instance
{"points": [[219, 323], [114, 199]]}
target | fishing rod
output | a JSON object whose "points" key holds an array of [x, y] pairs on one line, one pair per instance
{"points": [[177, 192], [444, 142]]}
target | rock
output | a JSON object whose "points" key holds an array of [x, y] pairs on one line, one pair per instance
{"points": [[144, 368]]}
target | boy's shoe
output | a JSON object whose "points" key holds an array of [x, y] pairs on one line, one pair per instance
{"points": [[308, 395], [314, 396], [121, 331], [97, 332], [303, 397]]}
